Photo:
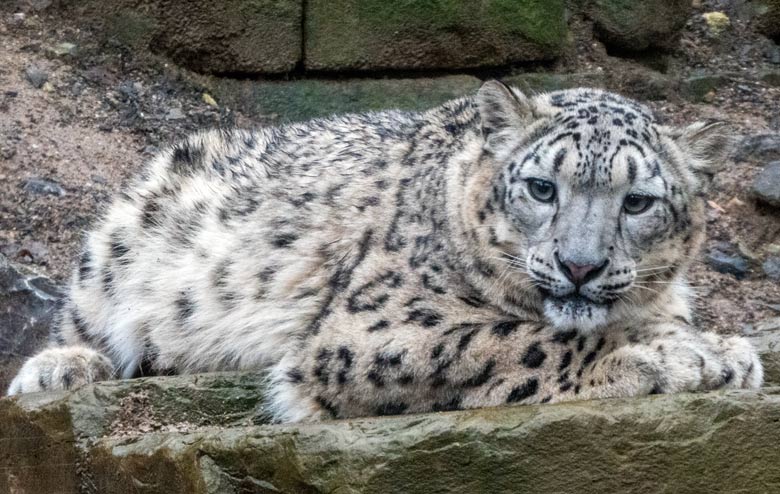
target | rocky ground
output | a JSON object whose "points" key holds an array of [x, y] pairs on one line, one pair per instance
{"points": [[79, 114]]}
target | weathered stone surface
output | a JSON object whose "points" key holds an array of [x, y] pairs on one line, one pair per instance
{"points": [[544, 82], [198, 434], [376, 34], [766, 186], [635, 26], [233, 36], [768, 18], [761, 146], [301, 100], [27, 303], [771, 77], [771, 267], [45, 436]]}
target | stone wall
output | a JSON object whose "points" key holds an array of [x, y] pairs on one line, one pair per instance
{"points": [[262, 37]]}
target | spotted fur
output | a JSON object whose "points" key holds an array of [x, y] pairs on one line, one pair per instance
{"points": [[397, 262]]}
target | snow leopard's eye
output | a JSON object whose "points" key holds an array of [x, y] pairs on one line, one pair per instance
{"points": [[637, 204], [541, 190]]}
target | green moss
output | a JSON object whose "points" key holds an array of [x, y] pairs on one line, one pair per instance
{"points": [[431, 33], [131, 28], [539, 20], [301, 100]]}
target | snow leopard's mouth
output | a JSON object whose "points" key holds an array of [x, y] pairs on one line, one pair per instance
{"points": [[575, 311]]}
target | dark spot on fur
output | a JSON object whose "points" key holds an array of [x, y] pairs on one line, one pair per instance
{"points": [[85, 268], [505, 328], [185, 307], [375, 378], [186, 158], [524, 391], [465, 340], [284, 240], [392, 408], [534, 356], [565, 360], [482, 377], [564, 337], [295, 375], [382, 324], [448, 406], [321, 369], [328, 406], [425, 317]]}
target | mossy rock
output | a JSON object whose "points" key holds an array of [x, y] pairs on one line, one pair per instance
{"points": [[301, 100], [430, 34], [232, 36], [638, 25]]}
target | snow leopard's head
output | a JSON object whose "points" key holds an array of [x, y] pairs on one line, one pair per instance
{"points": [[596, 202]]}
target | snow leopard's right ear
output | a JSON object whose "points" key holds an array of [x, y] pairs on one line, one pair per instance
{"points": [[504, 111]]}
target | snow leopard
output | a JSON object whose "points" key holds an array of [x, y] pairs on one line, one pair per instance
{"points": [[498, 249]]}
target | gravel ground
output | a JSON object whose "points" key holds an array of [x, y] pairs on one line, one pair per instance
{"points": [[74, 127]]}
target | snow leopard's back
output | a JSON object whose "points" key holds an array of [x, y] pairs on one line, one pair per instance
{"points": [[221, 251]]}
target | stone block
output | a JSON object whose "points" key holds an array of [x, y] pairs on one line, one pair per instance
{"points": [[435, 34]]}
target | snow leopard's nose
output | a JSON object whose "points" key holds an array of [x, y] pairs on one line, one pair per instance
{"points": [[579, 274]]}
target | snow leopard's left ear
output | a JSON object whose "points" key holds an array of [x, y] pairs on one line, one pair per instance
{"points": [[709, 146], [504, 111]]}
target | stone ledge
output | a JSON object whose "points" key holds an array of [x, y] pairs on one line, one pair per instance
{"points": [[206, 433]]}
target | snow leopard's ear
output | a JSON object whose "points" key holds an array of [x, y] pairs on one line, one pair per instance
{"points": [[504, 111], [708, 145]]}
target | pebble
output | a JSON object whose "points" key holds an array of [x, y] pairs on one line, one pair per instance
{"points": [[766, 186], [64, 48], [18, 19], [175, 114], [36, 76], [771, 268], [726, 262], [41, 186], [33, 252]]}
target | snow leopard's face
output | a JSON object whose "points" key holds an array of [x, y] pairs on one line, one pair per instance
{"points": [[599, 202]]}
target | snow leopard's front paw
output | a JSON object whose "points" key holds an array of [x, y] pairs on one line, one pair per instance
{"points": [[740, 366], [61, 368], [704, 362]]}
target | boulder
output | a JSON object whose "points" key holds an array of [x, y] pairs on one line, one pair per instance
{"points": [[209, 433], [766, 186], [304, 99], [376, 34], [768, 18], [27, 304], [233, 36], [636, 26]]}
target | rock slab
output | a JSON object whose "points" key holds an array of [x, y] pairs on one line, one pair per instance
{"points": [[232, 36], [378, 35], [209, 433]]}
